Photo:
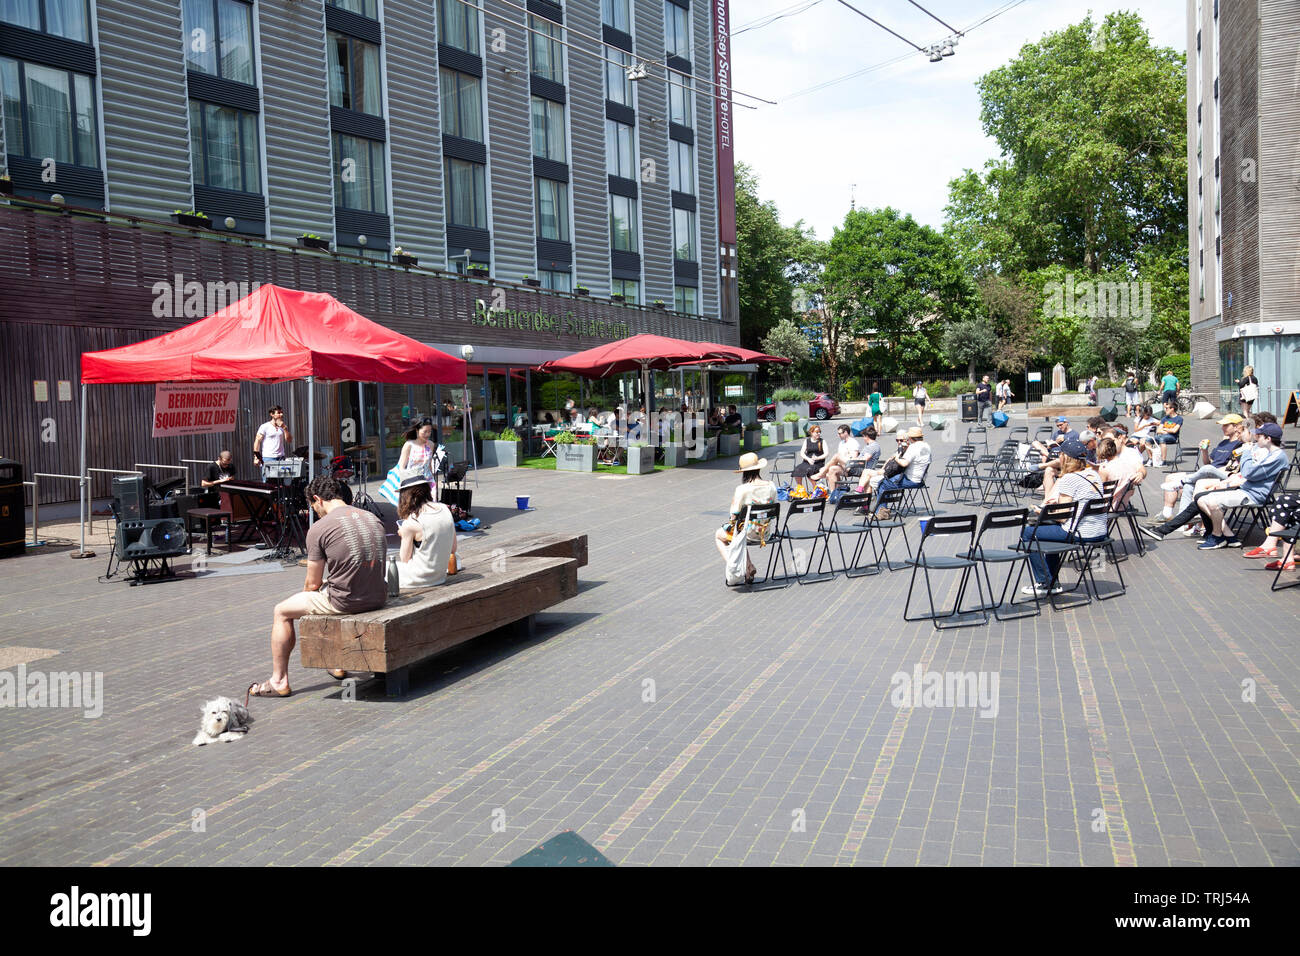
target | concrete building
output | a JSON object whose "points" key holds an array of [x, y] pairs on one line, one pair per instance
{"points": [[1243, 150], [577, 152]]}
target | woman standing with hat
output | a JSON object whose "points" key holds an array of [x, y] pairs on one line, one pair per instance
{"points": [[428, 535], [753, 489]]}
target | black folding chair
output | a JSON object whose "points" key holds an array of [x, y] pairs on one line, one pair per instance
{"points": [[804, 531], [780, 458], [842, 525], [956, 475], [947, 526], [1288, 535], [881, 529], [996, 484], [1294, 448], [1120, 495], [1019, 434], [978, 433], [1061, 513], [769, 516], [919, 491], [1236, 513], [851, 475], [1010, 520], [1090, 548], [1044, 434]]}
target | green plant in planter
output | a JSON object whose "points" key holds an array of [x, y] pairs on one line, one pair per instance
{"points": [[731, 430], [753, 427], [791, 417], [566, 438], [189, 212], [487, 435], [508, 434], [793, 395]]}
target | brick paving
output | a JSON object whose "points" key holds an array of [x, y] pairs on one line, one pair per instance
{"points": [[768, 735]]}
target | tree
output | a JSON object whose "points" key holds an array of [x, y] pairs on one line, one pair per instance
{"points": [[764, 252], [1010, 309], [787, 340], [969, 341], [888, 287]]}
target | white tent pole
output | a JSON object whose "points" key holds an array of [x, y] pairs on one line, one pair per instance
{"points": [[85, 480], [311, 439]]}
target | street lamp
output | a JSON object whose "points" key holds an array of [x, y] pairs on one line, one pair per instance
{"points": [[467, 353]]}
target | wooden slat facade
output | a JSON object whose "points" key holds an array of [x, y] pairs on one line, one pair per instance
{"points": [[71, 284]]}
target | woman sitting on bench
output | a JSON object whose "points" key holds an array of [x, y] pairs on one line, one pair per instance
{"points": [[428, 536]]}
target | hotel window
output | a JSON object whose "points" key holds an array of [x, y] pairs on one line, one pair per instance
{"points": [[354, 75], [681, 166], [677, 30], [359, 180], [548, 129], [546, 56], [224, 148], [458, 25], [620, 150], [618, 88], [552, 210], [466, 194], [364, 8], [617, 14], [684, 299], [679, 99], [629, 289], [49, 113], [69, 19], [462, 105], [219, 38], [556, 281], [622, 223], [684, 235]]}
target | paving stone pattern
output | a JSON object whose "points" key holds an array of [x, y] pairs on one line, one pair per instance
{"points": [[767, 736]]}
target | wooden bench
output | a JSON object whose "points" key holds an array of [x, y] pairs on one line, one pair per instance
{"points": [[497, 587]]}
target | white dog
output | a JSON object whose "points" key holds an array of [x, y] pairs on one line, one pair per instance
{"points": [[223, 719]]}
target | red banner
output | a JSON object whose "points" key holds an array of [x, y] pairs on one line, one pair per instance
{"points": [[723, 125], [194, 409]]}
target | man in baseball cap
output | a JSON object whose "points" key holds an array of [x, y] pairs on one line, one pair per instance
{"points": [[913, 457], [1213, 468]]}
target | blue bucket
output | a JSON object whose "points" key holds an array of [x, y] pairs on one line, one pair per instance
{"points": [[521, 502]]}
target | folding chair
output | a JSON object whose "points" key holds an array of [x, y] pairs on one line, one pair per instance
{"points": [[956, 475], [769, 515], [996, 484], [780, 458], [1171, 453], [1090, 547], [1294, 447], [1062, 513], [842, 525], [788, 535], [1236, 512], [1120, 494], [851, 475], [882, 530], [913, 492], [1289, 536], [1010, 520], [947, 526], [1019, 434], [978, 433], [1044, 434]]}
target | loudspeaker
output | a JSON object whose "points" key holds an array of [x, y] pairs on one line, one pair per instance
{"points": [[457, 497], [146, 538], [13, 519], [129, 492]]}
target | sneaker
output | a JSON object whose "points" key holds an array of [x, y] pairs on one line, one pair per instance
{"points": [[1040, 590], [1211, 543], [1193, 530], [1151, 532], [1232, 542]]}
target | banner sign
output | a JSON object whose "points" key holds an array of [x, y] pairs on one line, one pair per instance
{"points": [[194, 408], [724, 127], [733, 391], [1035, 376]]}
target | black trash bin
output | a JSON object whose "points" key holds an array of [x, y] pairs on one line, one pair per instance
{"points": [[13, 520], [969, 408]]}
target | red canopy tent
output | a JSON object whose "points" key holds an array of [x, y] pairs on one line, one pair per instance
{"points": [[272, 335]]}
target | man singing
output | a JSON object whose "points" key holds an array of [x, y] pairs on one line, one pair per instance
{"points": [[273, 439]]}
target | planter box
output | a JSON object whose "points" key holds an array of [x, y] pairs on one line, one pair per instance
{"points": [[6, 187], [640, 460], [406, 261], [785, 408], [534, 283], [772, 433], [575, 457], [616, 298], [194, 222], [728, 445], [309, 242], [582, 291], [674, 455], [787, 431], [705, 450], [801, 428], [501, 454], [753, 441]]}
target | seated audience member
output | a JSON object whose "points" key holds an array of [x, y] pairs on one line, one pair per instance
{"points": [[1285, 513], [1166, 433], [1117, 463], [812, 456], [1259, 466], [1250, 485], [911, 462], [428, 535], [753, 489], [1144, 427], [1214, 463], [869, 450], [848, 449], [1063, 433], [1078, 482], [733, 418]]}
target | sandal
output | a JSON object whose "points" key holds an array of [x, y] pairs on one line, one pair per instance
{"points": [[750, 575], [339, 674], [1260, 553], [1276, 565], [264, 689]]}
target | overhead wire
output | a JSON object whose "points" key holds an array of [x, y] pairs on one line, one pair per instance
{"points": [[771, 18], [845, 3]]}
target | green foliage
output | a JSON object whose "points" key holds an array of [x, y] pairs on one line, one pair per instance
{"points": [[731, 430], [764, 252], [753, 427], [969, 341], [786, 340], [851, 390], [1180, 363], [566, 438], [508, 434], [791, 417], [793, 395], [487, 435]]}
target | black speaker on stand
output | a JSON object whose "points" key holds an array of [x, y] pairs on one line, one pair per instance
{"points": [[149, 544]]}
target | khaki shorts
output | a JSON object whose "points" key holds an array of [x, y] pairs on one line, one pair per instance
{"points": [[310, 602]]}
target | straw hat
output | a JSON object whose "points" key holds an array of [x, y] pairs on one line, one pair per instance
{"points": [[915, 432], [751, 462]]}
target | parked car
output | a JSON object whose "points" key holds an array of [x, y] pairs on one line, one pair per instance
{"points": [[821, 406]]}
